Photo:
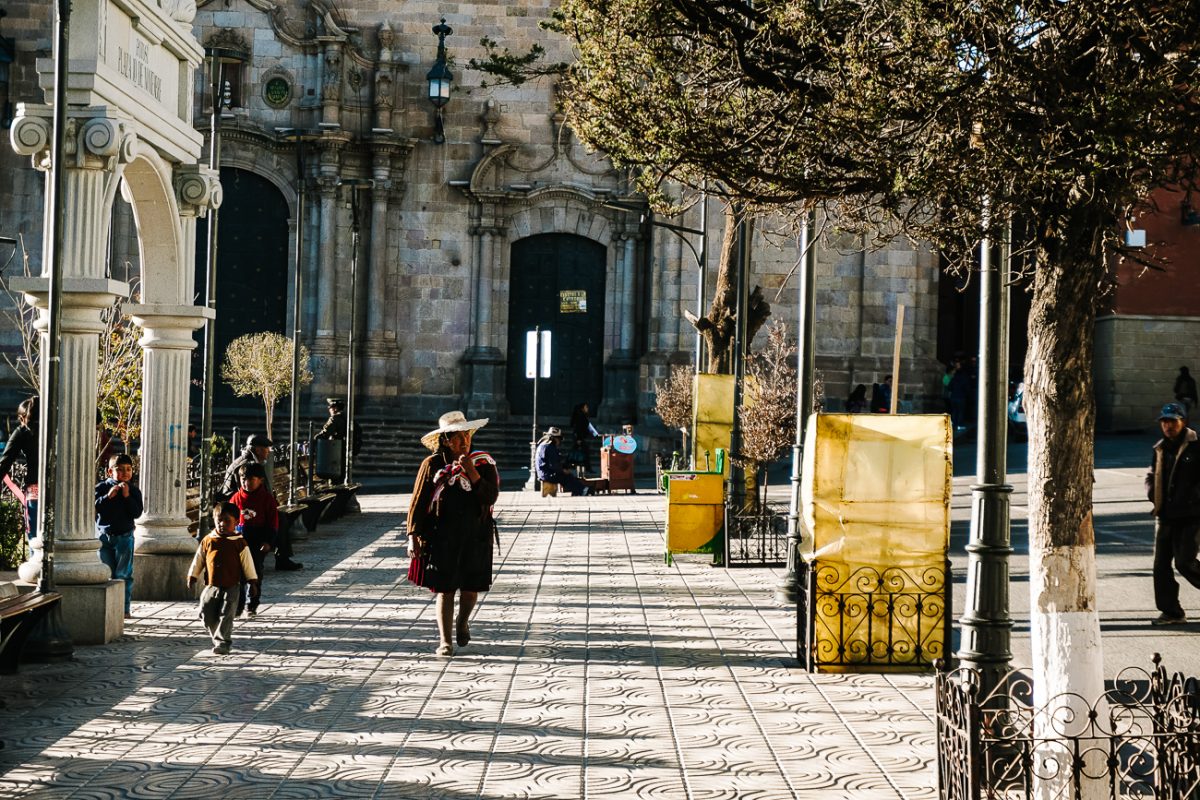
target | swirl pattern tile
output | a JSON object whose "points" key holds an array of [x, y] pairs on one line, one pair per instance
{"points": [[595, 670]]}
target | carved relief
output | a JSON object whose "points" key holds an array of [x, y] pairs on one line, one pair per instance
{"points": [[197, 189]]}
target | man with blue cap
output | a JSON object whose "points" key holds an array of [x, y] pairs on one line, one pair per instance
{"points": [[1173, 485]]}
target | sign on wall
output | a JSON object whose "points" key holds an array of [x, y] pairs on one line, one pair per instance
{"points": [[572, 301]]}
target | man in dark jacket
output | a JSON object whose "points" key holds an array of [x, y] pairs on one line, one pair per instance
{"points": [[258, 450], [1173, 485], [335, 427]]}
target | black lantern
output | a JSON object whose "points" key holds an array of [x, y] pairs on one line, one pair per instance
{"points": [[440, 78]]}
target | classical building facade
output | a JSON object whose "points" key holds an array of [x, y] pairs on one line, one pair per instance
{"points": [[479, 229]]}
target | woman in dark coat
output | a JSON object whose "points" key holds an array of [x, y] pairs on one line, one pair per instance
{"points": [[450, 526], [581, 426]]}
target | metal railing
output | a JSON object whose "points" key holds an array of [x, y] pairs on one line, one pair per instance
{"points": [[874, 617], [756, 538], [1141, 739]]}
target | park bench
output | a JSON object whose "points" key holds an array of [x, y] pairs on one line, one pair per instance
{"points": [[18, 617]]}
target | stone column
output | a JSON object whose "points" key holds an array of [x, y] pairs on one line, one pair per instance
{"points": [[483, 362], [620, 373], [99, 147], [327, 276], [381, 173], [163, 546]]}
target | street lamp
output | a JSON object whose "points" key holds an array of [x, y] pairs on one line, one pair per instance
{"points": [[355, 185], [299, 137], [792, 590], [218, 57], [440, 79]]}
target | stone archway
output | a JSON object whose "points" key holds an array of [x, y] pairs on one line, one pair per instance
{"points": [[129, 128]]}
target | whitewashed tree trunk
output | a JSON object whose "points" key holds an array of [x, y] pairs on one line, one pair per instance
{"points": [[1068, 663]]}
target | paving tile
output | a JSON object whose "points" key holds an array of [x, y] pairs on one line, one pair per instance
{"points": [[595, 670]]}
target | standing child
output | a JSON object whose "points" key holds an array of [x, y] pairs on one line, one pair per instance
{"points": [[224, 556], [259, 523], [118, 504]]}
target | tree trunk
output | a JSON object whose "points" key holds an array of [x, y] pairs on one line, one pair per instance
{"points": [[1064, 619], [717, 326]]}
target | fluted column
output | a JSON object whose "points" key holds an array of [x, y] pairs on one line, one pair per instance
{"points": [[485, 293], [381, 173], [327, 277], [166, 361], [100, 147]]}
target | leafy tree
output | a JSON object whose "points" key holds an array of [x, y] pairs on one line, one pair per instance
{"points": [[947, 121], [260, 365]]}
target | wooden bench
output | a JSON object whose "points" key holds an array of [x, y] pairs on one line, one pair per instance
{"points": [[341, 501], [18, 617]]}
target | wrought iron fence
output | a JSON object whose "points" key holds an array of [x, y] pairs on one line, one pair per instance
{"points": [[866, 617], [1141, 739], [756, 538]]}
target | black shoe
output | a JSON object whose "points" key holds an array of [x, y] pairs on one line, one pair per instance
{"points": [[287, 565]]}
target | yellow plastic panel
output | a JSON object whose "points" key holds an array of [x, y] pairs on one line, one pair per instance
{"points": [[876, 487], [691, 526], [714, 398], [692, 489], [709, 437]]}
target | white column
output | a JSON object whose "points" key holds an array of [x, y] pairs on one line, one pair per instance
{"points": [[166, 358], [102, 146], [76, 549], [378, 235]]}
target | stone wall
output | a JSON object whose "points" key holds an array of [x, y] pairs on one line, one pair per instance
{"points": [[1137, 360]]}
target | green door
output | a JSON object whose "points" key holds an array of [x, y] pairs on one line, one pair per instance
{"points": [[557, 283]]}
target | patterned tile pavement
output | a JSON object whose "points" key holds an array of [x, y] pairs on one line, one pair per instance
{"points": [[596, 670]]}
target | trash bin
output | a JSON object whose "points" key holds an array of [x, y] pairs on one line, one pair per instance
{"points": [[329, 458], [695, 508]]}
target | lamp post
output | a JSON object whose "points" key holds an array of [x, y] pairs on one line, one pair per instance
{"points": [[440, 79], [986, 624], [355, 185], [218, 57], [50, 640], [299, 137], [792, 588]]}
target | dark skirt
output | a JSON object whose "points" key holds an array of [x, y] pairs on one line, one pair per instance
{"points": [[455, 560]]}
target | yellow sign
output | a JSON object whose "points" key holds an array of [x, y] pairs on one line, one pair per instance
{"points": [[572, 301]]}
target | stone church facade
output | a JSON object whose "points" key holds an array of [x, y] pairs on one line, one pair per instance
{"points": [[468, 243]]}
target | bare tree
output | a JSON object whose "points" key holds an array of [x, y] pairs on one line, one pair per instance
{"points": [[260, 365], [673, 399], [768, 412]]}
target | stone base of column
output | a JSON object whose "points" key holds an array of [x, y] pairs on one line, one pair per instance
{"points": [[620, 390], [93, 613], [162, 576], [484, 379]]}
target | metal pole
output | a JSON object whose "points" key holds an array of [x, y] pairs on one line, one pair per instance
{"points": [[986, 624], [297, 311], [792, 588], [736, 488], [537, 371], [701, 281], [216, 74], [51, 641], [354, 185], [308, 486]]}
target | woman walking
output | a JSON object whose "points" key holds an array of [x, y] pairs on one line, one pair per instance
{"points": [[450, 525]]}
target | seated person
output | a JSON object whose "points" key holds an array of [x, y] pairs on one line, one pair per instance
{"points": [[550, 467]]}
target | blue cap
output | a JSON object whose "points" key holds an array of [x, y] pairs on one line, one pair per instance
{"points": [[1173, 411]]}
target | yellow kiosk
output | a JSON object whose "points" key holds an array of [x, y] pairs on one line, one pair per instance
{"points": [[876, 504]]}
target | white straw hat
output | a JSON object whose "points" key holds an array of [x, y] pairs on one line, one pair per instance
{"points": [[450, 422]]}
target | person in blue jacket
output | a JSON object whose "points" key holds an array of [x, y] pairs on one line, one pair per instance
{"points": [[118, 505]]}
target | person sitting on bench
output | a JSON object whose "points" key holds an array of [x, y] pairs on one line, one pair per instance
{"points": [[550, 467]]}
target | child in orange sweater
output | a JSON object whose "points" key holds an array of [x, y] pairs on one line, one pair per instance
{"points": [[224, 556]]}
